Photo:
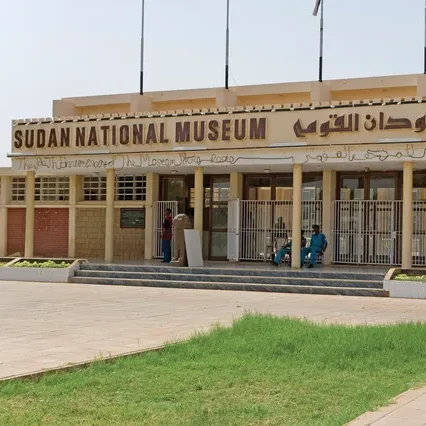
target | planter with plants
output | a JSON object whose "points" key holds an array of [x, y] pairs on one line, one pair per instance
{"points": [[5, 260], [406, 283], [42, 270]]}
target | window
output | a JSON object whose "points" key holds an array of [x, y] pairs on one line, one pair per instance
{"points": [[17, 189], [52, 189], [94, 188], [130, 188]]}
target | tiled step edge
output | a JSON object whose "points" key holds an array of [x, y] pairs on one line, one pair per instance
{"points": [[267, 271], [234, 286], [267, 280]]}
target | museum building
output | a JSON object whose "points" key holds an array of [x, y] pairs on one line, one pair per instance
{"points": [[249, 165]]}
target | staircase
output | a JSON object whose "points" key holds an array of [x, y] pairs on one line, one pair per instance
{"points": [[281, 280]]}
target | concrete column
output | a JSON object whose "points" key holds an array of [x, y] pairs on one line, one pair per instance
{"points": [[29, 215], [328, 196], [152, 190], [236, 184], [199, 201], [74, 198], [297, 216], [4, 198], [407, 215], [109, 216]]}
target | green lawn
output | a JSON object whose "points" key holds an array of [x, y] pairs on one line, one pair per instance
{"points": [[262, 371]]}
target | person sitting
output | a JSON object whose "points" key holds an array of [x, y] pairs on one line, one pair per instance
{"points": [[318, 246], [284, 250]]}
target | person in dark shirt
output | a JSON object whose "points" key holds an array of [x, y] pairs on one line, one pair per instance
{"points": [[166, 237]]}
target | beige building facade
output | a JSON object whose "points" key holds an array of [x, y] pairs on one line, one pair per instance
{"points": [[250, 165]]}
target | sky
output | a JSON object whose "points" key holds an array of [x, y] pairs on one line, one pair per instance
{"points": [[52, 49]]}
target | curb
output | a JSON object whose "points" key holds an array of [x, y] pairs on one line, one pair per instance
{"points": [[79, 365]]}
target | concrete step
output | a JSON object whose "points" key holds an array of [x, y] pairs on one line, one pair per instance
{"points": [[273, 288], [267, 271], [295, 280]]}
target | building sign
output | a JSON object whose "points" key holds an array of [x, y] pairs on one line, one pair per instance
{"points": [[132, 218], [109, 134], [218, 133], [354, 123]]}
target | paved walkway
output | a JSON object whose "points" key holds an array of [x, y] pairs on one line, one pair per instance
{"points": [[409, 409], [43, 326]]}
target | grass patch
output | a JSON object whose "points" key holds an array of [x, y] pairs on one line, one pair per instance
{"points": [[37, 264], [405, 277], [2, 264], [262, 371]]}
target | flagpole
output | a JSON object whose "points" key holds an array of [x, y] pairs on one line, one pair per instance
{"points": [[142, 49], [322, 41], [424, 66], [227, 47]]}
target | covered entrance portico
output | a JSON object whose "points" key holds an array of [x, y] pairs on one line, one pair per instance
{"points": [[361, 213]]}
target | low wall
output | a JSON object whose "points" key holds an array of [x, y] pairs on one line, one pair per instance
{"points": [[50, 275], [405, 289]]}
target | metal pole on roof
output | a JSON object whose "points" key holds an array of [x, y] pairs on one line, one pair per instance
{"points": [[142, 49], [317, 6], [424, 66], [227, 47]]}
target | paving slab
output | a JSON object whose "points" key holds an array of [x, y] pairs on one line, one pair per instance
{"points": [[408, 409]]}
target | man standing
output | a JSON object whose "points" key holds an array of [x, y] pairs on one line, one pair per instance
{"points": [[318, 245], [166, 237]]}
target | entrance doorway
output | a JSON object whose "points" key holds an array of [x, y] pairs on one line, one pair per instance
{"points": [[216, 190], [368, 219]]}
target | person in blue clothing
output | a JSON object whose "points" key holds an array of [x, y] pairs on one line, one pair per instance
{"points": [[280, 254], [318, 245]]}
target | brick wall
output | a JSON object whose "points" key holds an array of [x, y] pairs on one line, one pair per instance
{"points": [[51, 232], [90, 233], [15, 231], [129, 243]]}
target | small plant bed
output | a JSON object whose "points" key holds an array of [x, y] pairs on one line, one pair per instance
{"points": [[261, 371], [40, 264], [406, 277]]}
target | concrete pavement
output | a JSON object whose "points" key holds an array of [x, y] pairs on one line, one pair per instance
{"points": [[45, 326], [49, 325]]}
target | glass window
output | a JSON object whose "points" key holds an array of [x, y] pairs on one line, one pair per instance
{"points": [[352, 188], [312, 187], [219, 244], [382, 188], [221, 189], [94, 188], [130, 188], [259, 188], [52, 189], [284, 188], [173, 189], [419, 187], [18, 188]]}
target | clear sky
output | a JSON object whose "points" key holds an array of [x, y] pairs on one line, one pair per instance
{"points": [[59, 48]]}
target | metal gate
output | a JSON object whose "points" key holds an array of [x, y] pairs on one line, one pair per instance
{"points": [[419, 233], [160, 208], [262, 222], [367, 232]]}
